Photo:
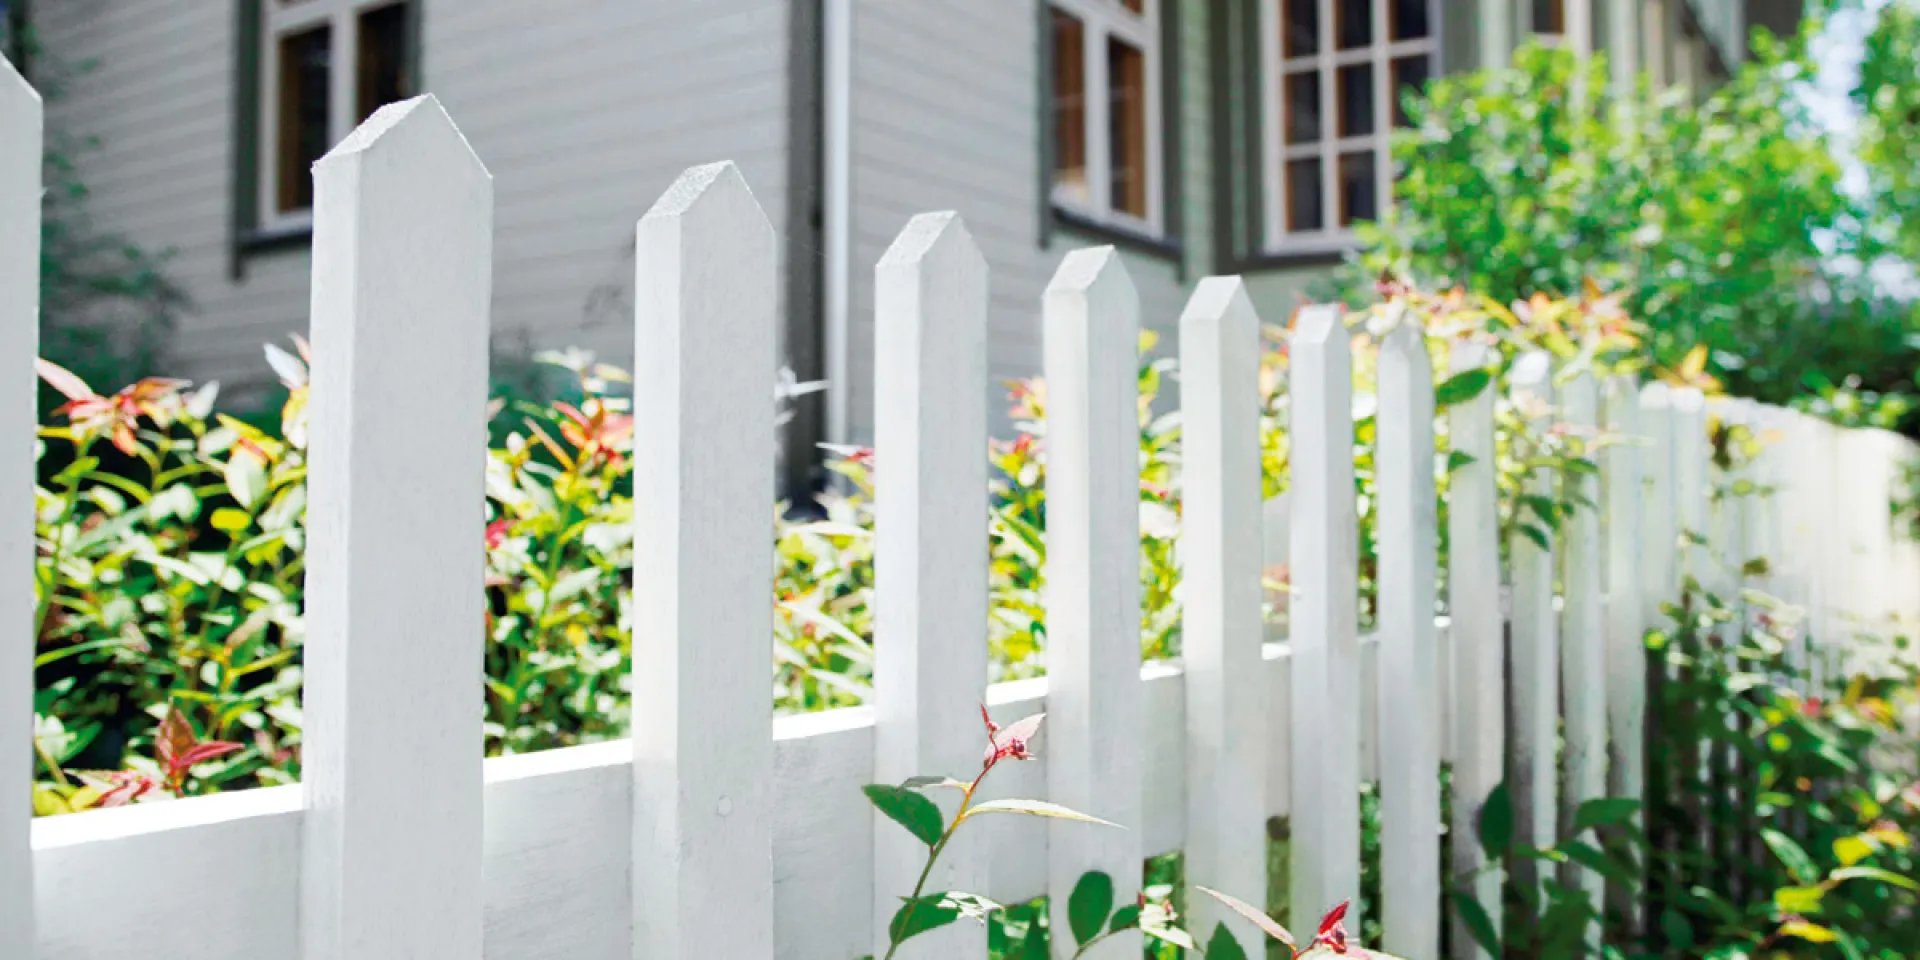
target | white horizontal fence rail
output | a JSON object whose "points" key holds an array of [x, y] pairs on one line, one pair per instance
{"points": [[20, 130], [720, 830]]}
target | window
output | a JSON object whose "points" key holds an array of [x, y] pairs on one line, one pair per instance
{"points": [[326, 65], [1336, 72], [1107, 112]]}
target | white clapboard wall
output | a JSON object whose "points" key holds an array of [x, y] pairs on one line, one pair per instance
{"points": [[721, 830]]}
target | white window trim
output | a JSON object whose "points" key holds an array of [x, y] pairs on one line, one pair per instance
{"points": [[1331, 238], [277, 19], [1100, 19]]}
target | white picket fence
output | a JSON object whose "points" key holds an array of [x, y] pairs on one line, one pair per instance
{"points": [[721, 831]]}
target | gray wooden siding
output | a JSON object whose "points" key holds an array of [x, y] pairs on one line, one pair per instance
{"points": [[945, 115], [583, 116]]}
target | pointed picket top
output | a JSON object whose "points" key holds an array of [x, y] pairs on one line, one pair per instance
{"points": [[717, 186], [1318, 326], [1219, 302], [14, 88], [1097, 276], [930, 237], [417, 130]]}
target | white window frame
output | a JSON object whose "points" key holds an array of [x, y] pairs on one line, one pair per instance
{"points": [[1100, 19], [1327, 61], [278, 18]]}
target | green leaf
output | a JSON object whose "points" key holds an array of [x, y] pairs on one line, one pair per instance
{"points": [[1605, 811], [246, 478], [1461, 387], [1496, 822], [1088, 905], [1474, 917], [1125, 918], [1590, 857], [1796, 860], [1679, 931], [1253, 914], [1874, 873], [909, 809], [1457, 459], [922, 782], [1799, 899], [1033, 808], [916, 917], [229, 520], [1222, 945]]}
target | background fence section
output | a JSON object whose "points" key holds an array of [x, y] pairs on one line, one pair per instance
{"points": [[720, 830]]}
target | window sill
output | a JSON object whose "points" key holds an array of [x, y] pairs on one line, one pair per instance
{"points": [[1126, 238], [1276, 260]]}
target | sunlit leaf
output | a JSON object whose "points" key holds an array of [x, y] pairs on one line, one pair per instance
{"points": [[908, 808]]}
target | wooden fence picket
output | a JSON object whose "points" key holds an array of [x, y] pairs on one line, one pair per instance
{"points": [[1535, 684], [402, 283], [1226, 715], [1659, 569], [1583, 652], [1091, 321], [1323, 619], [1626, 652], [1408, 704], [930, 552], [20, 130], [1477, 634], [703, 801]]}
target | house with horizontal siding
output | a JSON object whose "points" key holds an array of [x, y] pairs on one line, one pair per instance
{"points": [[1198, 136]]}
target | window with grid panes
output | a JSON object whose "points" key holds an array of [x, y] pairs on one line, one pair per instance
{"points": [[1106, 111], [1335, 75], [326, 65]]}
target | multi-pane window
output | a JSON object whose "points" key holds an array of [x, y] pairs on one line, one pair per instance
{"points": [[1106, 111], [326, 66], [1336, 73]]}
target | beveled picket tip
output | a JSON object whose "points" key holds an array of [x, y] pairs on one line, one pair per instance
{"points": [[1467, 355], [1318, 325], [420, 124], [933, 236], [14, 88], [1096, 274], [1408, 343], [1689, 401], [1218, 301], [708, 185]]}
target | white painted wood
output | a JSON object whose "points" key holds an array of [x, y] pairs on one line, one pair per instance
{"points": [[1690, 480], [1477, 698], [1535, 682], [1324, 619], [1091, 322], [930, 553], [1408, 705], [1625, 625], [558, 832], [402, 280], [20, 130], [1660, 531], [703, 800], [1583, 651], [1227, 719]]}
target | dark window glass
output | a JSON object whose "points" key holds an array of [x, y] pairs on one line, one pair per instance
{"points": [[1353, 22], [382, 74], [1356, 100], [1303, 107], [1410, 75], [1357, 188], [1549, 16], [1410, 20], [1304, 209], [1127, 119], [1300, 27], [305, 67], [1069, 105]]}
